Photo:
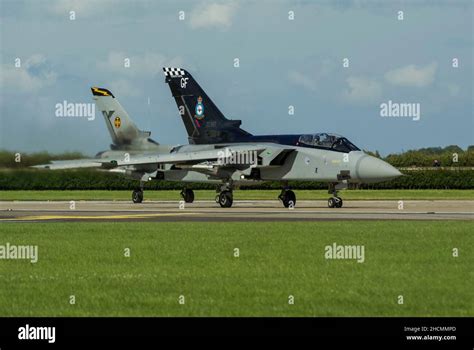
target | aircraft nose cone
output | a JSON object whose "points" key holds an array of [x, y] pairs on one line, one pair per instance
{"points": [[371, 169]]}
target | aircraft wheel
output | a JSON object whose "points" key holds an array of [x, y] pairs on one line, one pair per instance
{"points": [[225, 199], [338, 202], [288, 198], [137, 196], [188, 195], [331, 202]]}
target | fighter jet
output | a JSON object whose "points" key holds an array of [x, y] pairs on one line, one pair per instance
{"points": [[128, 142], [220, 152], [324, 157]]}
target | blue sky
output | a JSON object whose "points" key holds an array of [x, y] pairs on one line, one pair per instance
{"points": [[282, 63]]}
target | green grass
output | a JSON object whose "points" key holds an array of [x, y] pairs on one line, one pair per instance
{"points": [[239, 195], [413, 259]]}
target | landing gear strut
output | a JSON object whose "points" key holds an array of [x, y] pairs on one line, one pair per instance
{"points": [[334, 201], [188, 195], [287, 197], [225, 197], [137, 195]]}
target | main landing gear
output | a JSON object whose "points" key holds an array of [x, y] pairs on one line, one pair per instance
{"points": [[188, 195], [137, 195], [287, 197], [225, 197], [334, 201]]}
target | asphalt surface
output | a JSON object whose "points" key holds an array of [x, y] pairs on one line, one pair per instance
{"points": [[207, 211]]}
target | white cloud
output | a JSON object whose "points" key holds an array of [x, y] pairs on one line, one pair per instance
{"points": [[33, 75], [362, 90], [412, 76], [298, 78], [146, 65], [213, 15]]}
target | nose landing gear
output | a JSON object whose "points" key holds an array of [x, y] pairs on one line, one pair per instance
{"points": [[335, 201]]}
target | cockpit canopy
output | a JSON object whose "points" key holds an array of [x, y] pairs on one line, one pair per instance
{"points": [[329, 141]]}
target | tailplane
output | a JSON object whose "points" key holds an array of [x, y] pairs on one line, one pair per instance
{"points": [[204, 122]]}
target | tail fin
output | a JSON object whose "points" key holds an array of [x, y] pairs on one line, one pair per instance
{"points": [[204, 122], [122, 129]]}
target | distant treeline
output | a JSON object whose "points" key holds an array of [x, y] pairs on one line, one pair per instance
{"points": [[33, 179], [424, 157], [15, 160]]}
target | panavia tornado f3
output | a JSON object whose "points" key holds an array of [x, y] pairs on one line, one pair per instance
{"points": [[220, 152]]}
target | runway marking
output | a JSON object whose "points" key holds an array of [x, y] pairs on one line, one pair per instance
{"points": [[91, 217], [313, 210], [171, 211]]}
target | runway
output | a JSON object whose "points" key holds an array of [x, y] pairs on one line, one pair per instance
{"points": [[209, 211]]}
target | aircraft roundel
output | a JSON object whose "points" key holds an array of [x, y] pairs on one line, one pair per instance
{"points": [[199, 109], [117, 122]]}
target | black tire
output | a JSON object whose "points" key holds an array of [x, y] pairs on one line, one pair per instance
{"points": [[188, 195], [339, 202], [137, 196], [331, 202], [289, 198], [225, 199]]}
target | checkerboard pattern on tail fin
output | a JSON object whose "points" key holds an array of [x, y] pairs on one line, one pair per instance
{"points": [[173, 72], [204, 122]]}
